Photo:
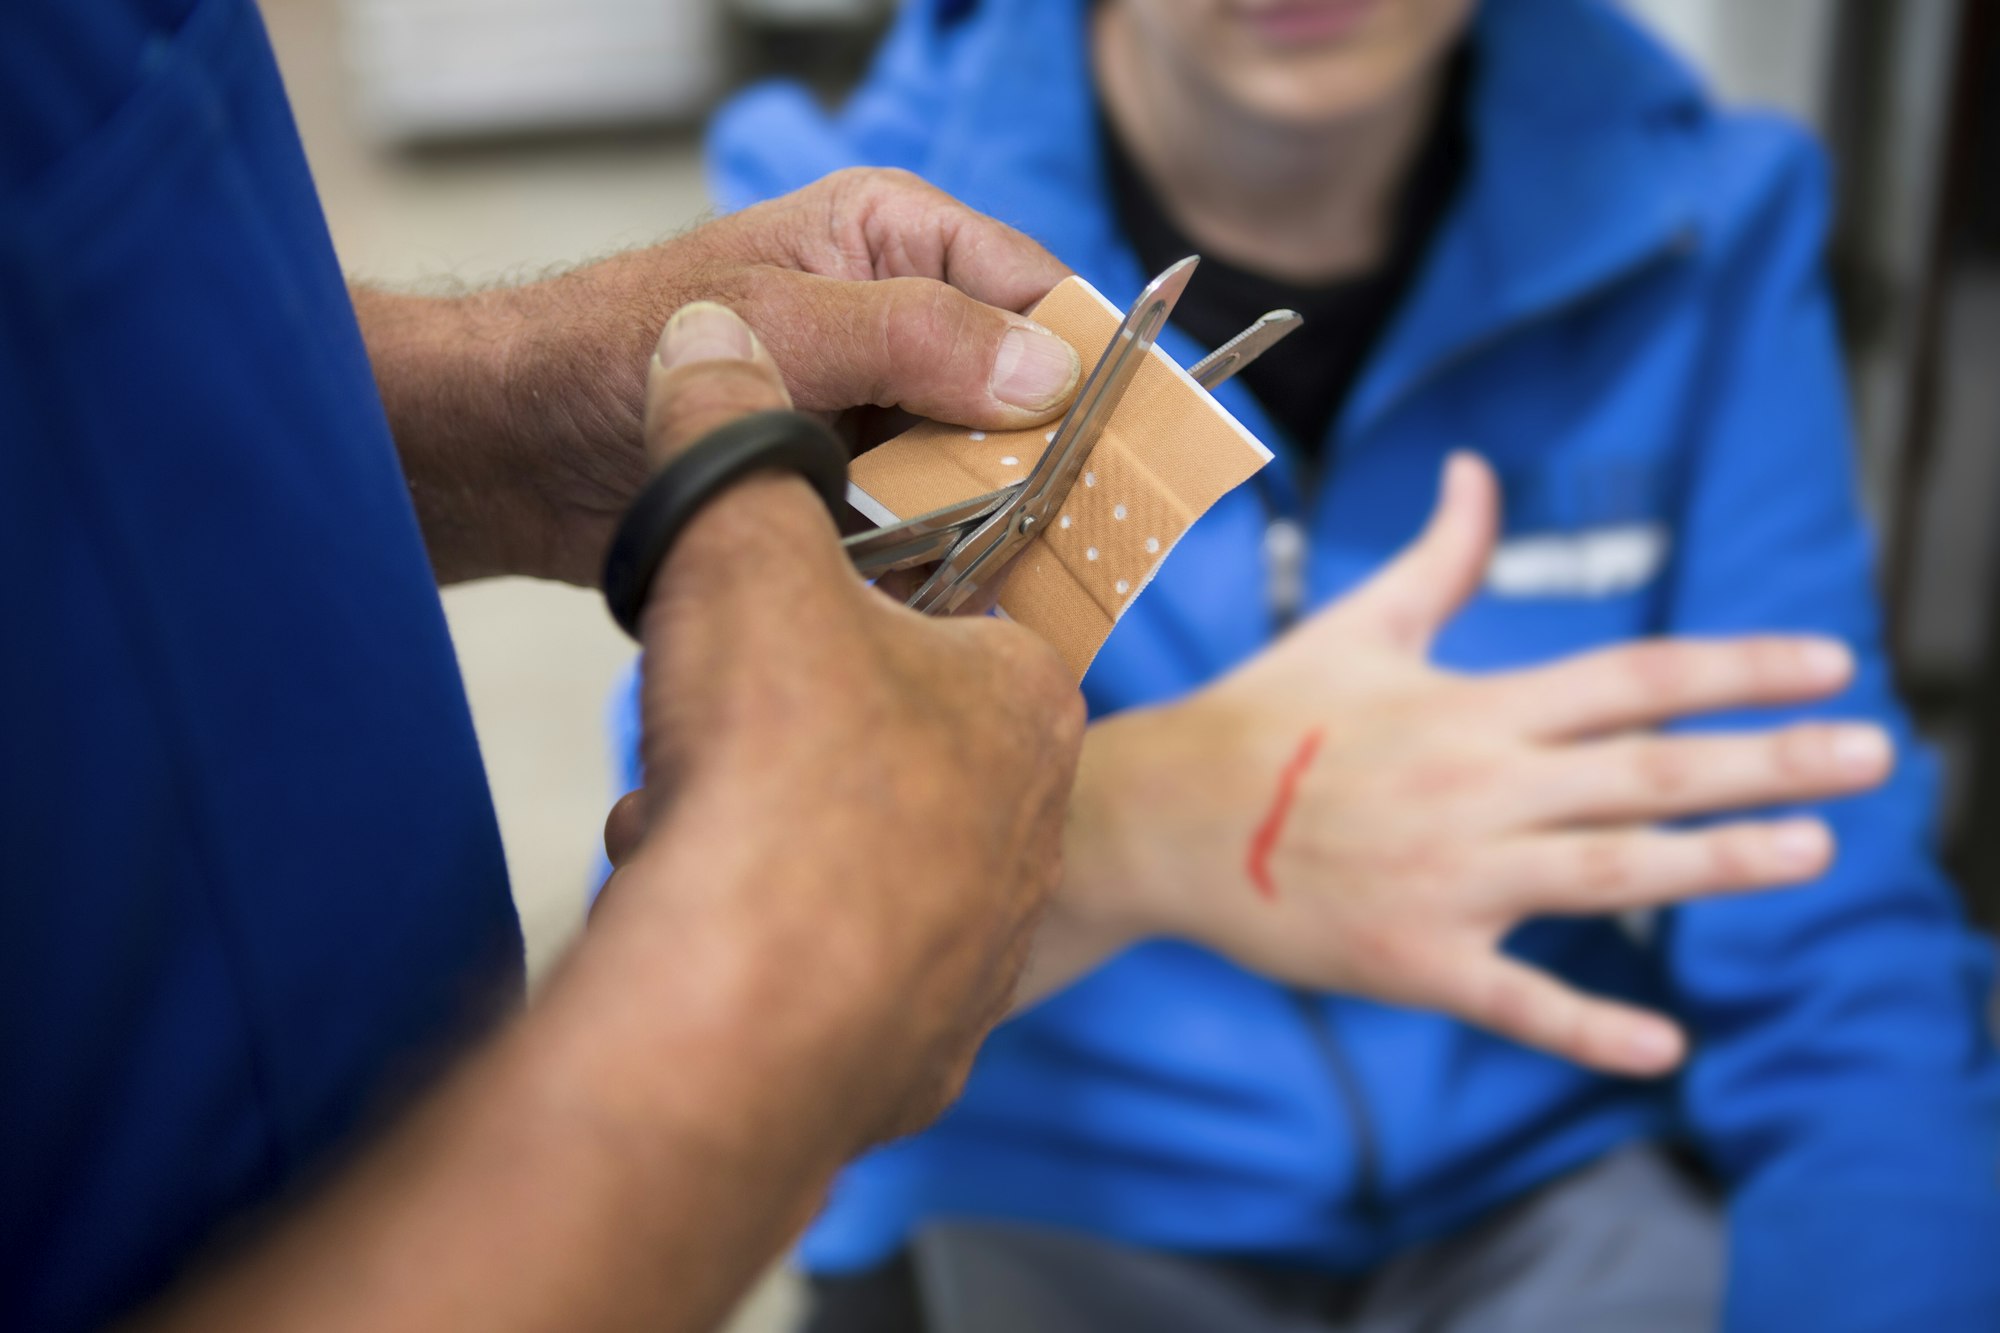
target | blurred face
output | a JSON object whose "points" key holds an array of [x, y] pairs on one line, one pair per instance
{"points": [[1301, 63]]}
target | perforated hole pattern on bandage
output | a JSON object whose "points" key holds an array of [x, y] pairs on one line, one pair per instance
{"points": [[1168, 453]]}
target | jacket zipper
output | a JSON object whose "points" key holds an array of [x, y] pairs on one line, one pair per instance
{"points": [[1346, 1080], [1286, 548]]}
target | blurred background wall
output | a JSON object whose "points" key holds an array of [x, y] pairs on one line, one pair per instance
{"points": [[1775, 52], [1894, 89]]}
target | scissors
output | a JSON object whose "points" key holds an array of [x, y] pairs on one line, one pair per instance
{"points": [[972, 541]]}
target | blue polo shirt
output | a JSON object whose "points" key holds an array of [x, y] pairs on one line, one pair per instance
{"points": [[251, 888]]}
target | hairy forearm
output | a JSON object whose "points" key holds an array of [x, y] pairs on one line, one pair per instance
{"points": [[637, 1145], [482, 393], [440, 365], [596, 1168]]}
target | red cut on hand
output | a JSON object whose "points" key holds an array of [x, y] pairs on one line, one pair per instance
{"points": [[1265, 840], [1427, 812]]}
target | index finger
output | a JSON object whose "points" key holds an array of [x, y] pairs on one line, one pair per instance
{"points": [[909, 228], [1654, 682]]}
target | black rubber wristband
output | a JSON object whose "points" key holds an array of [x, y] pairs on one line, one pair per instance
{"points": [[789, 441]]}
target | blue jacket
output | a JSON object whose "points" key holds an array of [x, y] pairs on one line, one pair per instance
{"points": [[1626, 314]]}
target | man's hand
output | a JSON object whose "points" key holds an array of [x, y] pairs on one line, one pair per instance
{"points": [[851, 819], [517, 412], [912, 774], [1342, 815]]}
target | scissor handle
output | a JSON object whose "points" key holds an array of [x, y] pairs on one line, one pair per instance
{"points": [[925, 538]]}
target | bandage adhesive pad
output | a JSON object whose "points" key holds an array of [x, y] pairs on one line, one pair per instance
{"points": [[1167, 454]]}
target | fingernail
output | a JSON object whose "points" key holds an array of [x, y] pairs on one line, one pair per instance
{"points": [[1035, 369], [1861, 750], [704, 331], [1826, 660], [1653, 1046], [1801, 845]]}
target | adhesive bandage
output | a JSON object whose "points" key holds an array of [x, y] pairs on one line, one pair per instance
{"points": [[1168, 453]]}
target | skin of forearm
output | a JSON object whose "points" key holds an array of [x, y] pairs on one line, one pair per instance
{"points": [[556, 1184], [1105, 903], [641, 1142], [482, 393], [629, 1155]]}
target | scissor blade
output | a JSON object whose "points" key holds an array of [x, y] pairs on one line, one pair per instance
{"points": [[925, 538], [1229, 360], [1048, 483]]}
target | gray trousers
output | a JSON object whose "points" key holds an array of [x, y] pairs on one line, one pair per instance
{"points": [[1625, 1245]]}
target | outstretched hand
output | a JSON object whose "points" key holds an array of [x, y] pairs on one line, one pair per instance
{"points": [[1340, 813]]}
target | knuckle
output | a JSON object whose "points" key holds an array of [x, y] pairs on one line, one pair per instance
{"points": [[1413, 887], [1029, 661], [1802, 752], [927, 317], [1509, 1003], [1405, 954], [1071, 720], [1446, 779], [847, 186], [1666, 769], [1607, 867], [1771, 664], [888, 180], [1404, 622], [1380, 948], [1419, 868], [1661, 670], [1732, 857], [872, 210], [913, 314], [930, 326], [1030, 681]]}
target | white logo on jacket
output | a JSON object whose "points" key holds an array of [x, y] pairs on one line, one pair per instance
{"points": [[1596, 562]]}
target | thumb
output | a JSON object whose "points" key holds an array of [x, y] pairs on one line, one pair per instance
{"points": [[708, 369], [916, 344], [1419, 591]]}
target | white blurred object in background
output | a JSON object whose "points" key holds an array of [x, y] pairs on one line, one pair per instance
{"points": [[811, 13], [425, 69], [1771, 52]]}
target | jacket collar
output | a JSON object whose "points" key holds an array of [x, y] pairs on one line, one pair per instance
{"points": [[1582, 169], [1582, 173]]}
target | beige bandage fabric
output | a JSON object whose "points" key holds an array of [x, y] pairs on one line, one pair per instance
{"points": [[1167, 454]]}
